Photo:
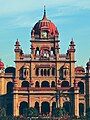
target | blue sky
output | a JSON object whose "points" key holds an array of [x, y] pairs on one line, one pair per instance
{"points": [[72, 18]]}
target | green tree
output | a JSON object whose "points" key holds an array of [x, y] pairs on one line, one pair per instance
{"points": [[58, 112], [88, 113], [31, 112]]}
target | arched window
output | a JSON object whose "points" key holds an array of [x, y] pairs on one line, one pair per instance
{"points": [[45, 84], [81, 109], [52, 51], [25, 84], [37, 71], [37, 51], [41, 72], [37, 84], [81, 87], [52, 84], [53, 71], [37, 106], [65, 84], [48, 72], [9, 87], [45, 73], [23, 107]]}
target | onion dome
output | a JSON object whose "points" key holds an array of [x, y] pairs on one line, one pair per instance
{"points": [[44, 25], [79, 69], [1, 65]]}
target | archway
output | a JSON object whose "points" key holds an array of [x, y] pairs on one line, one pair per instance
{"points": [[25, 84], [53, 107], [45, 108], [37, 84], [81, 86], [52, 84], [45, 84], [67, 107], [37, 106], [9, 87], [81, 109], [23, 106], [65, 84]]}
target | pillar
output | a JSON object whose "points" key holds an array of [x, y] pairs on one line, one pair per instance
{"points": [[15, 105], [76, 103]]}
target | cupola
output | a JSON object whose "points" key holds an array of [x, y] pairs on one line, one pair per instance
{"points": [[44, 28]]}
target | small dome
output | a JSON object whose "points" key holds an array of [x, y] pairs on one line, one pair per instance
{"points": [[79, 69], [1, 65], [45, 25]]}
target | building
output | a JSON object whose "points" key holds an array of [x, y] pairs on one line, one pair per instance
{"points": [[45, 78]]}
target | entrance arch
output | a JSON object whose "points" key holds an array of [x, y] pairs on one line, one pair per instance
{"points": [[23, 106], [67, 107], [45, 108]]}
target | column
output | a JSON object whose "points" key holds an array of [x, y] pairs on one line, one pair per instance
{"points": [[15, 105], [76, 103], [50, 109]]}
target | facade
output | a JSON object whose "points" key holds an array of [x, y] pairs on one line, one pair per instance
{"points": [[45, 78]]}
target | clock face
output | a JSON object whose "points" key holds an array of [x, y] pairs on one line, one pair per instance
{"points": [[44, 34]]}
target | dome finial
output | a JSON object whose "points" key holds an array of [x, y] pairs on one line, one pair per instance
{"points": [[44, 16]]}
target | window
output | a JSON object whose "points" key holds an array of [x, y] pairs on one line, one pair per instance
{"points": [[81, 86], [53, 71], [41, 72], [37, 71], [45, 72], [65, 84], [25, 84], [37, 84]]}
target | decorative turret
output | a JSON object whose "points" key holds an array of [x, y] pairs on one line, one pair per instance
{"points": [[71, 50], [17, 46], [18, 50], [72, 46]]}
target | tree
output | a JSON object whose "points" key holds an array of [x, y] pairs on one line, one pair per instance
{"points": [[88, 113], [2, 114], [59, 112], [31, 112]]}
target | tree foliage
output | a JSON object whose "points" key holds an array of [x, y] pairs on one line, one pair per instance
{"points": [[58, 112], [31, 112]]}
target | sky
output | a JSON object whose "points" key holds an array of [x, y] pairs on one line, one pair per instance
{"points": [[72, 18]]}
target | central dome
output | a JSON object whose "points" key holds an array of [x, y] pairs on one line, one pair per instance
{"points": [[46, 26]]}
